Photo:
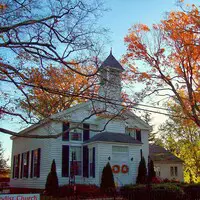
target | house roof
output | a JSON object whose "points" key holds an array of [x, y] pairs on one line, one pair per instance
{"points": [[160, 154], [111, 62], [52, 117], [113, 137], [138, 122]]}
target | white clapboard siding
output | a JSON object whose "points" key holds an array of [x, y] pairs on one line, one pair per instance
{"points": [[105, 150], [134, 152], [22, 145], [116, 126]]}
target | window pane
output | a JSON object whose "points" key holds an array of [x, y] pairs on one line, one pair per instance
{"points": [[91, 155], [176, 171], [76, 136], [35, 163], [120, 149], [172, 171], [75, 167], [157, 170]]}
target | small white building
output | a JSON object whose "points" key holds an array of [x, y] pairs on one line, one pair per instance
{"points": [[166, 164], [116, 136]]}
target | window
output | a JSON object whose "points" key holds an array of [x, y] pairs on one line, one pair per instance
{"points": [[119, 153], [131, 132], [174, 171], [35, 163], [65, 129], [25, 164], [16, 160], [138, 135], [74, 136], [120, 149], [86, 132], [91, 161], [75, 161], [157, 170]]}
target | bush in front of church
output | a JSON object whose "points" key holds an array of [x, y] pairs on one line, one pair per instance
{"points": [[142, 172], [107, 180], [51, 187]]}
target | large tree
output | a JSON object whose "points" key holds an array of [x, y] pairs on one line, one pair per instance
{"points": [[73, 88], [182, 137], [169, 55], [37, 34]]}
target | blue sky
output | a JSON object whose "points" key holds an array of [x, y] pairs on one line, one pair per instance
{"points": [[121, 16]]}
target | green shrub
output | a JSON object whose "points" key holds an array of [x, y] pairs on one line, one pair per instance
{"points": [[151, 171], [51, 187], [107, 179], [142, 172]]}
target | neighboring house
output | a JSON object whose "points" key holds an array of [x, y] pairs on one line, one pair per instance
{"points": [[116, 135], [166, 164]]}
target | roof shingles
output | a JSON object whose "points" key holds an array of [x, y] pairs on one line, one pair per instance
{"points": [[111, 62], [160, 154], [113, 137]]}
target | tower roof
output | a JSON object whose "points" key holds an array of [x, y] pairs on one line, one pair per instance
{"points": [[111, 62]]}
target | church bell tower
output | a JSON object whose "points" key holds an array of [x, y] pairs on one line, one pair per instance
{"points": [[110, 80]]}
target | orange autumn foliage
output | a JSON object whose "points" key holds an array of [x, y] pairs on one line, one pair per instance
{"points": [[170, 52], [58, 88]]}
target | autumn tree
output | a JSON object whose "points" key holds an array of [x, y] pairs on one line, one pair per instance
{"points": [[74, 88], [182, 137], [4, 170], [37, 34], [169, 55]]}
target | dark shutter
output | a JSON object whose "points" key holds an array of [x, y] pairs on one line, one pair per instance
{"points": [[27, 164], [38, 162], [93, 161], [141, 154], [32, 153], [86, 132], [18, 165], [85, 161], [22, 165], [65, 135], [13, 173], [138, 135], [65, 160]]}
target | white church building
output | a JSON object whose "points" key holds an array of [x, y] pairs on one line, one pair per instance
{"points": [[90, 139]]}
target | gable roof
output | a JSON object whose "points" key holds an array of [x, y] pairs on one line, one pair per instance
{"points": [[52, 117], [138, 122], [160, 154], [113, 137], [112, 63]]}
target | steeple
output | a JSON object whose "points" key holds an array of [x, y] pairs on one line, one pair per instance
{"points": [[112, 63], [110, 79]]}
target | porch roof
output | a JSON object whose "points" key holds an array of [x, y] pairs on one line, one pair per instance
{"points": [[113, 137]]}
